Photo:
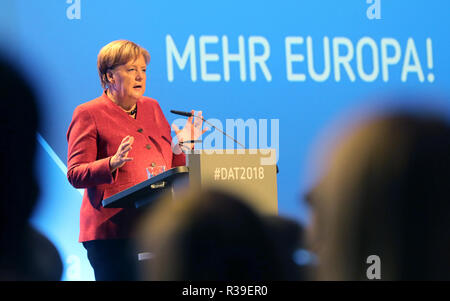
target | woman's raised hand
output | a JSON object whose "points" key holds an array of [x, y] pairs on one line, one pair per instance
{"points": [[192, 130], [121, 156]]}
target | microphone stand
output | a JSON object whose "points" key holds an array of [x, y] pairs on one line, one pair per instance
{"points": [[221, 131]]}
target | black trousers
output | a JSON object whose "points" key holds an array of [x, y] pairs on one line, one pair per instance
{"points": [[113, 259]]}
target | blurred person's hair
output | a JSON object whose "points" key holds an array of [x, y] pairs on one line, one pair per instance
{"points": [[19, 124], [385, 193], [209, 235], [288, 238], [25, 254]]}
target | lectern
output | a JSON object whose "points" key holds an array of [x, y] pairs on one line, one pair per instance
{"points": [[248, 173], [146, 192]]}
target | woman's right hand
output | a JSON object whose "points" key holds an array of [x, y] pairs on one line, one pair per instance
{"points": [[120, 157]]}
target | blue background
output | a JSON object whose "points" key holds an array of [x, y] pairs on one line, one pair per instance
{"points": [[59, 56]]}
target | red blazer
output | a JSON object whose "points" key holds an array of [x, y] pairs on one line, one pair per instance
{"points": [[95, 133]]}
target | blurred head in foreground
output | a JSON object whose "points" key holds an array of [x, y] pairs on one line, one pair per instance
{"points": [[385, 193], [24, 253], [208, 236]]}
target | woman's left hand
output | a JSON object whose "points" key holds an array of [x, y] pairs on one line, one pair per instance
{"points": [[192, 130]]}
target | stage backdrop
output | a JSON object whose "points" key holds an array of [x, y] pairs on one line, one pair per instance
{"points": [[293, 65]]}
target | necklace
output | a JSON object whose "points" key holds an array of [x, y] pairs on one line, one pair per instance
{"points": [[133, 111]]}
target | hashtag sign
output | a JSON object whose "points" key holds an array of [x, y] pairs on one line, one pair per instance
{"points": [[217, 174]]}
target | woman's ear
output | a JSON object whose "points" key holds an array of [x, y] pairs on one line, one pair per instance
{"points": [[110, 77]]}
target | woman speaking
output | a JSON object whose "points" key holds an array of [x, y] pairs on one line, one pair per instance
{"points": [[113, 142]]}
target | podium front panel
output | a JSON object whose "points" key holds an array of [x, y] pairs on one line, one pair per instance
{"points": [[249, 173]]}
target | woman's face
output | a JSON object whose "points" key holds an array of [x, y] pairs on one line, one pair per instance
{"points": [[128, 81]]}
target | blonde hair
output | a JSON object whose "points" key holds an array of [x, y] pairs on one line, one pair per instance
{"points": [[118, 53]]}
